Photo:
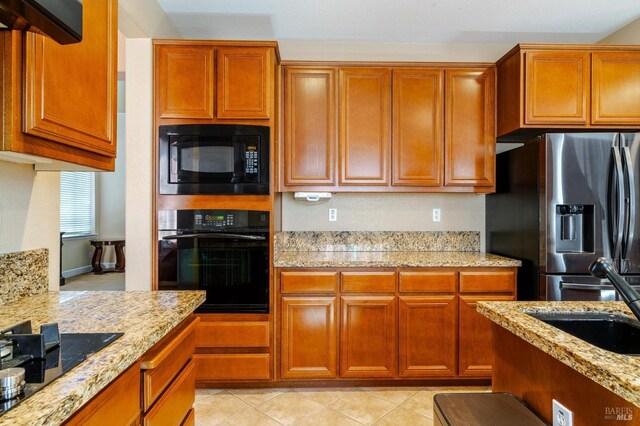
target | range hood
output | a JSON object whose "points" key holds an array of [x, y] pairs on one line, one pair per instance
{"points": [[59, 19]]}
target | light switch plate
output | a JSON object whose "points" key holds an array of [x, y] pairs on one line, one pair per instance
{"points": [[562, 416]]}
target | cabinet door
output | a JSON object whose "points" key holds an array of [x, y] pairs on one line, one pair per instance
{"points": [[368, 346], [557, 87], [244, 75], [309, 126], [475, 353], [427, 337], [184, 81], [70, 90], [470, 140], [309, 338], [615, 88], [417, 127], [364, 126]]}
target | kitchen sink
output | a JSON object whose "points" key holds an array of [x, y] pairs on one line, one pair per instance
{"points": [[614, 333]]}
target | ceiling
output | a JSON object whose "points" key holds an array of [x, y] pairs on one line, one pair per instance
{"points": [[402, 21]]}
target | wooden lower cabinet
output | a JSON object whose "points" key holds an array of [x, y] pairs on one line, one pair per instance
{"points": [[119, 402], [233, 347], [159, 389], [428, 335], [368, 336], [475, 352], [230, 367], [394, 323], [309, 338]]}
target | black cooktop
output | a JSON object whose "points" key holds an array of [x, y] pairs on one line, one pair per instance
{"points": [[39, 372]]}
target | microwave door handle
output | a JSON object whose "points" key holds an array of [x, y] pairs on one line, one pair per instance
{"points": [[215, 236], [592, 287]]}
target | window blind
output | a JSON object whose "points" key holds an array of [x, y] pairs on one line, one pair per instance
{"points": [[77, 204]]}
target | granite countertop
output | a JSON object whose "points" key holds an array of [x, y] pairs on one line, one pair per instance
{"points": [[390, 259], [143, 316], [617, 373]]}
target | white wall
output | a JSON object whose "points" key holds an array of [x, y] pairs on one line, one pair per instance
{"points": [[30, 213], [387, 212], [138, 166], [111, 196]]}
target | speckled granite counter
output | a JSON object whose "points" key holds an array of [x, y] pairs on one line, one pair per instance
{"points": [[617, 373], [391, 259], [23, 274], [143, 317]]}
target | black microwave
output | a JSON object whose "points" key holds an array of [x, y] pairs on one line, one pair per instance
{"points": [[214, 159]]}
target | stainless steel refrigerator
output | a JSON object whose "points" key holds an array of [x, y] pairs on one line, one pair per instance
{"points": [[561, 201]]}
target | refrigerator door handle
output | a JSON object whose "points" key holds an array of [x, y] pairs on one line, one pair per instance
{"points": [[631, 186], [616, 229]]}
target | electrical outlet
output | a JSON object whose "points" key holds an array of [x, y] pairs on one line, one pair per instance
{"points": [[562, 416], [333, 215], [436, 215]]}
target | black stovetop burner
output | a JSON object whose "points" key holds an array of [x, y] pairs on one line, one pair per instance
{"points": [[47, 355]]}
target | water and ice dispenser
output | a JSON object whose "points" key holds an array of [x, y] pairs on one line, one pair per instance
{"points": [[574, 228]]}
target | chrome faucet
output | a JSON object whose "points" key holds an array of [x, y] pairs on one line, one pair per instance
{"points": [[603, 268]]}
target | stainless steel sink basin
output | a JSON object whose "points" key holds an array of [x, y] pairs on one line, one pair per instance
{"points": [[613, 333]]}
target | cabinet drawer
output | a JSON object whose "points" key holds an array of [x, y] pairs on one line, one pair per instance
{"points": [[488, 281], [119, 402], [229, 334], [370, 282], [232, 366], [434, 282], [174, 405], [309, 282], [163, 362]]}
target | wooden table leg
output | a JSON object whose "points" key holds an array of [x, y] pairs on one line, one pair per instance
{"points": [[119, 267], [96, 261]]}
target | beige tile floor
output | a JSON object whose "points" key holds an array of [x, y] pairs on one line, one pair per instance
{"points": [[112, 281], [382, 406]]}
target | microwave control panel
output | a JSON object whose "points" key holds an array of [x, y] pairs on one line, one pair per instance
{"points": [[251, 161]]}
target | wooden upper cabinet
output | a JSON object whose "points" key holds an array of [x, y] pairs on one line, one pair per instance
{"points": [[543, 87], [309, 126], [417, 127], [470, 127], [60, 102], [245, 78], [557, 87], [70, 90], [185, 81], [364, 126], [615, 88]]}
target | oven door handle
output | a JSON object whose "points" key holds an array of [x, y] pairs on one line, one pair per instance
{"points": [[592, 287], [216, 236]]}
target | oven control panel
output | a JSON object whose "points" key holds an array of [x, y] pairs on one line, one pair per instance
{"points": [[219, 220], [208, 221]]}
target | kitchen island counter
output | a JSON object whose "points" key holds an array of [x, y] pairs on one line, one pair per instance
{"points": [[391, 259], [614, 372], [144, 318]]}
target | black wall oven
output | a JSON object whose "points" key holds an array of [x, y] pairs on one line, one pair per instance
{"points": [[224, 252], [213, 159]]}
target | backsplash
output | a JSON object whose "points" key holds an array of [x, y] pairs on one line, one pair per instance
{"points": [[377, 241], [22, 274]]}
